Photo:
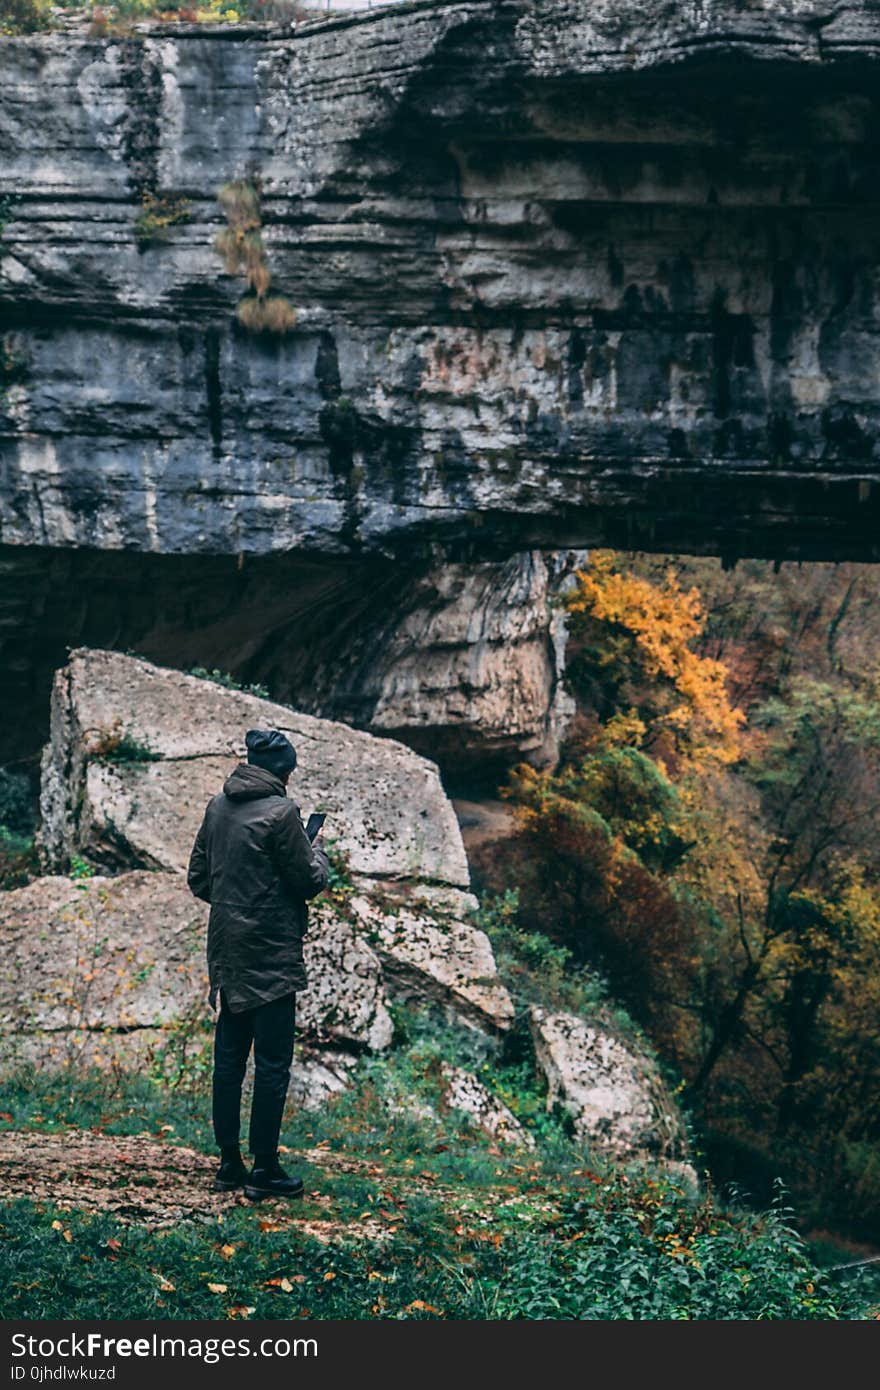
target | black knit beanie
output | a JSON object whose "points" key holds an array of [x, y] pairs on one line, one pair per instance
{"points": [[270, 749]]}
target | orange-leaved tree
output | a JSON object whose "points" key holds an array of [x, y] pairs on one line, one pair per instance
{"points": [[633, 654]]}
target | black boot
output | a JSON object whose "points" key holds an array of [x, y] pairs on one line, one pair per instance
{"points": [[232, 1172], [269, 1179]]}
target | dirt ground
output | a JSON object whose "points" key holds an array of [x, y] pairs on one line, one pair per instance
{"points": [[154, 1183]]}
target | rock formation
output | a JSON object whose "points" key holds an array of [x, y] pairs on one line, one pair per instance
{"points": [[136, 752], [562, 272], [611, 1091], [462, 662], [465, 1093], [114, 966], [110, 967]]}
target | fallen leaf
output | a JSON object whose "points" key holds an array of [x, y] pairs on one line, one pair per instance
{"points": [[67, 1236], [56, 1226], [227, 1251], [239, 1311], [329, 1275], [217, 1288], [165, 1285], [113, 1244], [5, 1115], [269, 1224], [419, 1305]]}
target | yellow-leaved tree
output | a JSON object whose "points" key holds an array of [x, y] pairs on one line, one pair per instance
{"points": [[633, 655]]}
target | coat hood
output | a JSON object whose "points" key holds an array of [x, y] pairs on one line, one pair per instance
{"points": [[248, 782]]}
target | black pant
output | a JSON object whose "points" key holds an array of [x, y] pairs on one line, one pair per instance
{"points": [[270, 1028]]}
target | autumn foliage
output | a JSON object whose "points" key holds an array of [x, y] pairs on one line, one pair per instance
{"points": [[641, 637], [719, 864]]}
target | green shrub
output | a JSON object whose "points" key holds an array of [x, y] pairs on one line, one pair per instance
{"points": [[537, 971], [24, 16], [18, 859], [131, 749], [646, 1254], [80, 869], [228, 682], [17, 809], [158, 214]]}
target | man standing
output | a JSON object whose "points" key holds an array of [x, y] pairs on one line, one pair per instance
{"points": [[253, 862]]}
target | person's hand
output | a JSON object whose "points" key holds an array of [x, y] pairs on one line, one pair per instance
{"points": [[318, 842]]}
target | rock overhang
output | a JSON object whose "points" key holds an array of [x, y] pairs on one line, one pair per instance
{"points": [[601, 281]]}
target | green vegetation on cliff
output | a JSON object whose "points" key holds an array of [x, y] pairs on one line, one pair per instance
{"points": [[37, 16]]}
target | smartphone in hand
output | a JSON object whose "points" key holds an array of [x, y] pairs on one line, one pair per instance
{"points": [[314, 824]]}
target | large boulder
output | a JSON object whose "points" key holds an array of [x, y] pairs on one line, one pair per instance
{"points": [[139, 801], [465, 1093], [116, 966], [112, 966], [611, 1091], [428, 951], [100, 954]]}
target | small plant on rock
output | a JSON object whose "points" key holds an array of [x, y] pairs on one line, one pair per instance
{"points": [[241, 246], [157, 216], [81, 869], [229, 682], [118, 745], [24, 16]]}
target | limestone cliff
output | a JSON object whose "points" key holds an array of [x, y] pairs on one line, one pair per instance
{"points": [[562, 273]]}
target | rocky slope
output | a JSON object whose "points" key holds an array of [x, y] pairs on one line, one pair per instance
{"points": [[109, 968]]}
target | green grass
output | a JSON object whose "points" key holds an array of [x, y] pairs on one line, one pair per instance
{"points": [[474, 1231], [228, 682], [616, 1251]]}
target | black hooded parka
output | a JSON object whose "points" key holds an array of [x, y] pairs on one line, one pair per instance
{"points": [[253, 862]]}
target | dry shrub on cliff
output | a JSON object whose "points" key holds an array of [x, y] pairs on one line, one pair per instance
{"points": [[240, 200], [270, 314], [241, 246]]}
